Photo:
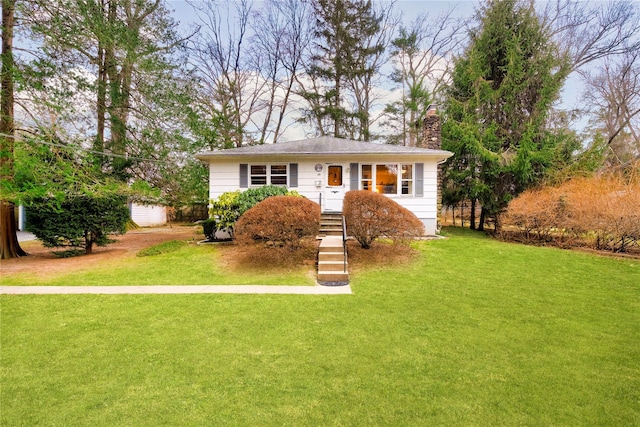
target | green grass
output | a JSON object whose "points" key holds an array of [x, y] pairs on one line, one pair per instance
{"points": [[475, 332], [162, 248], [174, 264]]}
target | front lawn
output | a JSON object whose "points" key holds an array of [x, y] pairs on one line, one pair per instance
{"points": [[474, 332], [184, 264]]}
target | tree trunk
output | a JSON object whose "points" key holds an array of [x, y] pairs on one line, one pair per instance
{"points": [[473, 214], [101, 104], [9, 246], [88, 242], [483, 214]]}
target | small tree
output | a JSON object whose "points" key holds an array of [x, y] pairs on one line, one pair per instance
{"points": [[371, 215], [78, 220]]}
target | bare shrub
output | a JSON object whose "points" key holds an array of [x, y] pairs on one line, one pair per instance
{"points": [[539, 214], [603, 212], [280, 221], [606, 211], [371, 215]]}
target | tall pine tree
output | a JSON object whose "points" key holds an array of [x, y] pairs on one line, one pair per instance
{"points": [[502, 91], [345, 43]]}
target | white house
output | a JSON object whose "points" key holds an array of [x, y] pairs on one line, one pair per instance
{"points": [[323, 169]]}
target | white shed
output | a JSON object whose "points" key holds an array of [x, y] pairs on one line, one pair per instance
{"points": [[148, 215]]}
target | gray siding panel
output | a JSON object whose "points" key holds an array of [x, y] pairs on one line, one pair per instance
{"points": [[244, 175], [419, 179], [354, 178], [293, 175]]}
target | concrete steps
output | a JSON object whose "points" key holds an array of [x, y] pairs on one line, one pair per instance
{"points": [[332, 262], [330, 224]]}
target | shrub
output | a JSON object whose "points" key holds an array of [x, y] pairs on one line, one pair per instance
{"points": [[78, 220], [230, 206], [371, 215], [280, 220], [251, 197], [603, 212]]}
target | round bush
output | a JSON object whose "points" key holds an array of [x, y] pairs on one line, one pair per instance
{"points": [[371, 215], [281, 220]]}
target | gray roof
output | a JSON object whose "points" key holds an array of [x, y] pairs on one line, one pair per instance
{"points": [[324, 146]]}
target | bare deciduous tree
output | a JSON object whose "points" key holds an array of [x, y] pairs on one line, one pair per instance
{"points": [[589, 31], [282, 34], [423, 55], [614, 101]]}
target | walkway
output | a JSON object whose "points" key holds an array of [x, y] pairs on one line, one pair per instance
{"points": [[203, 289]]}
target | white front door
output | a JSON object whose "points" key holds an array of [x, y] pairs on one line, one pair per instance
{"points": [[335, 187]]}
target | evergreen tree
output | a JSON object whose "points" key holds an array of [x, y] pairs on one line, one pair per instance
{"points": [[341, 67], [502, 92]]}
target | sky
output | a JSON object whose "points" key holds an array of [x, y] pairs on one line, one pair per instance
{"points": [[185, 14]]}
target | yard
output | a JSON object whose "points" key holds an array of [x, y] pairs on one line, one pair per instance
{"points": [[471, 332]]}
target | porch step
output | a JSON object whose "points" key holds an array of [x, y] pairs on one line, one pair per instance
{"points": [[333, 278], [331, 266], [331, 244], [331, 256], [332, 262], [331, 224]]}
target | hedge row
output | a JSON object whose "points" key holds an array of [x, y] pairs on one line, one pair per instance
{"points": [[601, 212]]}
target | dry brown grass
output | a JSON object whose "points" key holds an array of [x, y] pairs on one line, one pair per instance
{"points": [[380, 254], [266, 257]]}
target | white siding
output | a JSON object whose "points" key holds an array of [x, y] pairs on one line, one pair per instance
{"points": [[225, 176]]}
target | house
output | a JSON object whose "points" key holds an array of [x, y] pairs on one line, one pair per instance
{"points": [[323, 169]]}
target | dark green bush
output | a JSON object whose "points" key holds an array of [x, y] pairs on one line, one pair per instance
{"points": [[78, 220], [230, 206], [209, 227], [371, 215], [281, 220]]}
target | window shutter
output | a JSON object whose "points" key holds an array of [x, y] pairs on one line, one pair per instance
{"points": [[419, 179], [353, 185], [244, 175], [293, 175]]}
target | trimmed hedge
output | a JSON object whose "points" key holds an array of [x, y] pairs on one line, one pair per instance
{"points": [[371, 215], [280, 220]]}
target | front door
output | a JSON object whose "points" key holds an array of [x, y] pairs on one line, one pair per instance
{"points": [[335, 188]]}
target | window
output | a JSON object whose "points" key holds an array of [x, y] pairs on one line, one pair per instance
{"points": [[407, 179], [334, 176], [279, 175], [387, 179], [367, 177], [258, 174], [390, 178], [272, 174]]}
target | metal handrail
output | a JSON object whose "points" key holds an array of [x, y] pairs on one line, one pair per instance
{"points": [[344, 242]]}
